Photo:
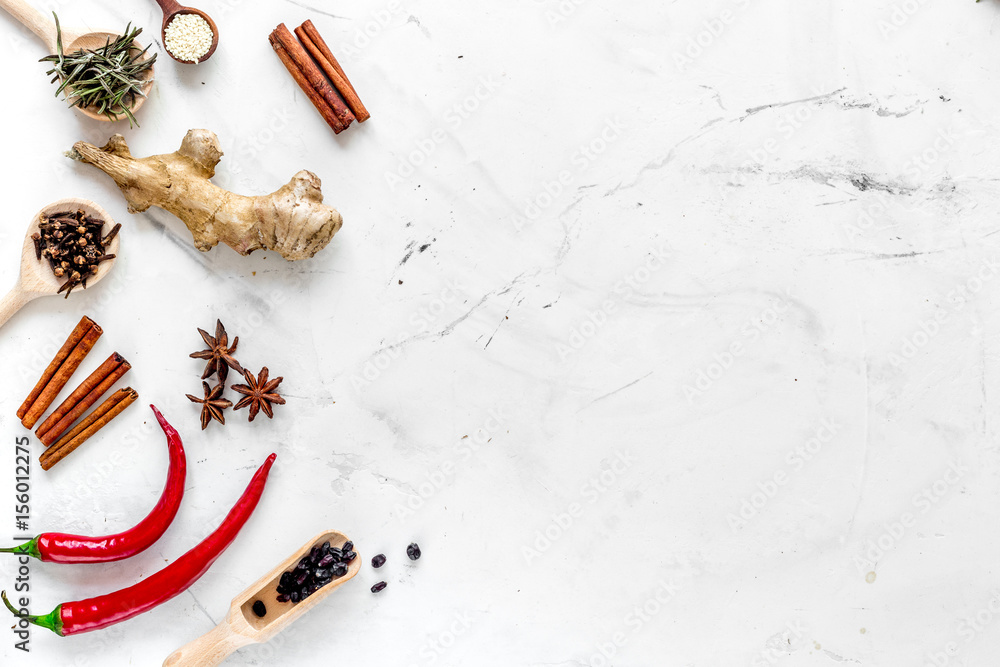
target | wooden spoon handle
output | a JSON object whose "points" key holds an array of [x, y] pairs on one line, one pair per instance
{"points": [[168, 6], [33, 20], [15, 299], [208, 650]]}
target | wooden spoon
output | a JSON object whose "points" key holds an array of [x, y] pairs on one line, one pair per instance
{"points": [[171, 9], [72, 41], [36, 277], [242, 627]]}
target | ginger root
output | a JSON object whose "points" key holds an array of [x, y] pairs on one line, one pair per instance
{"points": [[292, 221]]}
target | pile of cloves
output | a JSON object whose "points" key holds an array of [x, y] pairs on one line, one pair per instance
{"points": [[74, 245]]}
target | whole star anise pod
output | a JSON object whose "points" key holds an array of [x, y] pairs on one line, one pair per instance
{"points": [[219, 354], [258, 393], [212, 405]]}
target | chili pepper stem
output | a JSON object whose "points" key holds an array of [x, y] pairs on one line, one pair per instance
{"points": [[29, 548], [52, 620]]}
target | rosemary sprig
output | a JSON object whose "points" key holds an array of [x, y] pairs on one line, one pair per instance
{"points": [[108, 79]]}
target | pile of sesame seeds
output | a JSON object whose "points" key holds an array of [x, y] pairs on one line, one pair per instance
{"points": [[188, 37]]}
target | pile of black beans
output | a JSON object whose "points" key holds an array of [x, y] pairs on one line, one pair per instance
{"points": [[322, 565]]}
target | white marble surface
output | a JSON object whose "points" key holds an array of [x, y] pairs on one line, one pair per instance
{"points": [[718, 319]]}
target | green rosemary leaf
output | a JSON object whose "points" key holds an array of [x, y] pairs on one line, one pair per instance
{"points": [[108, 80]]}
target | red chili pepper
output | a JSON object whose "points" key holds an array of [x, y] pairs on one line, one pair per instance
{"points": [[71, 618], [63, 548]]}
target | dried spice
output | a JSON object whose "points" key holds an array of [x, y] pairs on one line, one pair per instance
{"points": [[212, 405], [108, 80], [259, 393], [74, 245], [219, 354]]}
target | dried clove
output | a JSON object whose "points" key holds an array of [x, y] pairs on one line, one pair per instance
{"points": [[73, 244]]}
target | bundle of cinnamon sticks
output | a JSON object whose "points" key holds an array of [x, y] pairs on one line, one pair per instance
{"points": [[319, 75], [53, 431]]}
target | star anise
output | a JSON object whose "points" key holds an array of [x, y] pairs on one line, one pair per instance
{"points": [[219, 354], [212, 405], [258, 393]]}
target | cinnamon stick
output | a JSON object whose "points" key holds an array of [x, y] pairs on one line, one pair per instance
{"points": [[316, 46], [69, 357], [310, 79], [97, 420], [114, 367]]}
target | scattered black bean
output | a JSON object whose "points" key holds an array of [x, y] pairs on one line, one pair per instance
{"points": [[380, 586], [259, 609], [319, 567], [378, 561], [413, 551]]}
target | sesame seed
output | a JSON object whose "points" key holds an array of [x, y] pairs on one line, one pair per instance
{"points": [[188, 37]]}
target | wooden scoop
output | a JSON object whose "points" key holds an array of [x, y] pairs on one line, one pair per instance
{"points": [[72, 41], [172, 8], [36, 277], [242, 627]]}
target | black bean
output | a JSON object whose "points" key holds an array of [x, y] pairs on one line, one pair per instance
{"points": [[303, 565], [326, 560], [347, 546], [339, 570], [413, 551], [378, 561], [282, 590], [380, 586], [320, 573], [286, 578], [336, 552], [259, 609], [314, 555], [349, 556], [301, 578], [294, 596], [326, 547], [282, 598]]}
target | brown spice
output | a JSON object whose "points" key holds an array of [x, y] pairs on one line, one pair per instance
{"points": [[212, 405], [94, 422], [219, 354], [69, 357], [258, 393]]}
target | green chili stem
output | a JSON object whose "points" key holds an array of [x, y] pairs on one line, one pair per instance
{"points": [[29, 548], [52, 620]]}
